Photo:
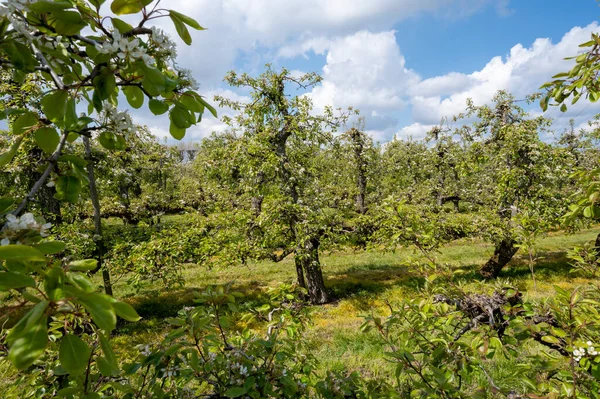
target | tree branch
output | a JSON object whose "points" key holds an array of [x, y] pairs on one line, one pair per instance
{"points": [[38, 184]]}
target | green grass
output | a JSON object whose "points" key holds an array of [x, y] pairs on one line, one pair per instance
{"points": [[361, 282]]}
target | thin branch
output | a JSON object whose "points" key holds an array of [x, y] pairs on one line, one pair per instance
{"points": [[47, 68], [38, 184]]}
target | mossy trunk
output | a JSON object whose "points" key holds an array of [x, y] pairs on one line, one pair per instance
{"points": [[308, 268], [503, 253]]}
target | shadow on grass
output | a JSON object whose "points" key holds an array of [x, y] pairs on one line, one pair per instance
{"points": [[360, 284], [370, 280], [548, 266]]}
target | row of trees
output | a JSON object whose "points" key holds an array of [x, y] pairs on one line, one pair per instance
{"points": [[284, 180]]}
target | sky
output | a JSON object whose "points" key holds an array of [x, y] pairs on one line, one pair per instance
{"points": [[405, 64]]}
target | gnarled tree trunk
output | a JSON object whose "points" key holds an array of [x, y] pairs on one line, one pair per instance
{"points": [[309, 269], [503, 253]]}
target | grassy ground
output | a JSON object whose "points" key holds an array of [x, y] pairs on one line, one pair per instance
{"points": [[361, 282]]}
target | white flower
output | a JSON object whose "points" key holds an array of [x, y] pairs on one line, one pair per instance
{"points": [[50, 184], [163, 43], [185, 76]]}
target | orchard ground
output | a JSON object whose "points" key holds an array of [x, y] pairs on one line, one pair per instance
{"points": [[362, 283]]}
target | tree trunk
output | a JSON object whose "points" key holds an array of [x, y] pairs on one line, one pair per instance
{"points": [[308, 259], [503, 253], [300, 272], [100, 247]]}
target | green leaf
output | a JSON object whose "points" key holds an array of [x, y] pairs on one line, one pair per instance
{"points": [[81, 282], [71, 118], [158, 107], [27, 321], [99, 307], [121, 25], [121, 7], [83, 265], [21, 253], [11, 280], [134, 95], [108, 140], [235, 392], [54, 283], [125, 311], [73, 159], [74, 354], [21, 57], [185, 19], [49, 6], [180, 117], [30, 345], [176, 132], [105, 84], [47, 139], [68, 189], [51, 247], [182, 30], [8, 156], [24, 123], [109, 354], [6, 203], [550, 339], [54, 105], [189, 100], [67, 23], [105, 368], [212, 110], [563, 108], [154, 81]]}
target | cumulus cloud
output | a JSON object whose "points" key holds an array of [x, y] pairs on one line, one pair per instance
{"points": [[522, 71], [246, 27], [367, 70], [416, 131]]}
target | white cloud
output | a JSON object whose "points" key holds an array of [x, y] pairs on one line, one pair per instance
{"points": [[521, 72], [237, 27], [367, 71], [416, 131]]}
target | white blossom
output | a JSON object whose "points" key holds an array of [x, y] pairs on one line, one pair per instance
{"points": [[118, 121], [185, 75], [15, 226], [163, 43]]}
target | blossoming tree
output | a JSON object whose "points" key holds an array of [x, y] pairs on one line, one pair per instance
{"points": [[84, 61]]}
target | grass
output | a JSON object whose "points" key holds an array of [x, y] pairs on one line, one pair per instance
{"points": [[361, 282]]}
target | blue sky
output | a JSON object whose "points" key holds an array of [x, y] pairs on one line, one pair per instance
{"points": [[405, 64]]}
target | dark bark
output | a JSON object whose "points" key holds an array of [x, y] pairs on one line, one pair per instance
{"points": [[307, 263], [99, 239], [49, 206], [503, 253], [300, 272], [358, 144]]}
